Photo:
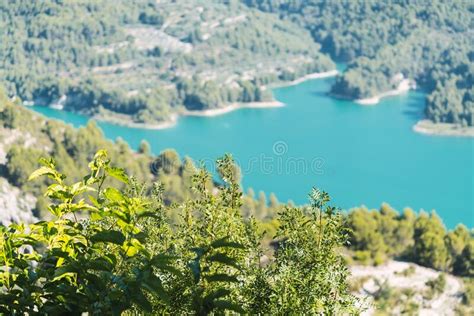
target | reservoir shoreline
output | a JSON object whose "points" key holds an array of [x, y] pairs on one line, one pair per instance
{"points": [[233, 107], [311, 76], [423, 126], [173, 120]]}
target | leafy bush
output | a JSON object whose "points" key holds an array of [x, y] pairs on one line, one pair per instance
{"points": [[108, 251]]}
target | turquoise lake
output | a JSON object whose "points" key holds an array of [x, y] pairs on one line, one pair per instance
{"points": [[360, 155]]}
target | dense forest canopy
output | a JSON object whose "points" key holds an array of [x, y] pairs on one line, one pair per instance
{"points": [[146, 59], [430, 42]]}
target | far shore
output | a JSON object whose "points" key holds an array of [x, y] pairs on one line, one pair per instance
{"points": [[314, 75], [442, 129], [233, 107], [404, 86], [122, 121], [171, 122]]}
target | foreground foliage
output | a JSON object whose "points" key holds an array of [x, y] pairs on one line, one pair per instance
{"points": [[107, 251]]}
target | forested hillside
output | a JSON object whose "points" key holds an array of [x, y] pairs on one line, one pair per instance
{"points": [[427, 41], [144, 60]]}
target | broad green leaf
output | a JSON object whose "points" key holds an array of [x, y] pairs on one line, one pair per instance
{"points": [[208, 299], [99, 265], [113, 195], [110, 258], [162, 261], [170, 269], [58, 191], [153, 284], [130, 250], [96, 216], [140, 236], [224, 242], [142, 302], [118, 173], [63, 271], [79, 188], [57, 252], [93, 201], [59, 262], [94, 279], [111, 236], [161, 258], [220, 277], [223, 258], [41, 172], [227, 305]]}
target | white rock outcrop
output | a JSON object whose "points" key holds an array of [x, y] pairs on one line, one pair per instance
{"points": [[15, 206]]}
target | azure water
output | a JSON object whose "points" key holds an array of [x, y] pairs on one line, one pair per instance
{"points": [[360, 155]]}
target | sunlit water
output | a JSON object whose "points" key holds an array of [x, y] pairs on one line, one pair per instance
{"points": [[360, 155]]}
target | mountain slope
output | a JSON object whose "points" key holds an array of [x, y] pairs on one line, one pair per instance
{"points": [[146, 60], [429, 42]]}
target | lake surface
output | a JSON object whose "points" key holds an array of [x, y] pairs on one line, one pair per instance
{"points": [[360, 155]]}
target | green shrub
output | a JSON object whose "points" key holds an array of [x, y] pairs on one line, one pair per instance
{"points": [[363, 257], [107, 251], [380, 258]]}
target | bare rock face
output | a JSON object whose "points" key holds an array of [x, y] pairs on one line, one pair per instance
{"points": [[394, 275], [15, 206]]}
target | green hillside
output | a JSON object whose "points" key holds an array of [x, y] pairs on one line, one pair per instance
{"points": [[144, 60], [426, 41]]}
